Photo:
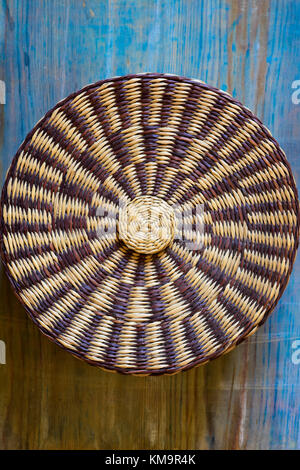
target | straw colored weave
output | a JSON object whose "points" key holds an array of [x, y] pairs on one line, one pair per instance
{"points": [[92, 234]]}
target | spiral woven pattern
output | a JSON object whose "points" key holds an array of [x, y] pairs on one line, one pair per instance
{"points": [[149, 223], [146, 224]]}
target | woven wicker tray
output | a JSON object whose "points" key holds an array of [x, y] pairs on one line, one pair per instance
{"points": [[149, 223]]}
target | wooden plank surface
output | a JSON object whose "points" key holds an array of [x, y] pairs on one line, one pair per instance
{"points": [[248, 399]]}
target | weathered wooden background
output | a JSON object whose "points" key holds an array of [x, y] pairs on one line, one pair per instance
{"points": [[248, 399]]}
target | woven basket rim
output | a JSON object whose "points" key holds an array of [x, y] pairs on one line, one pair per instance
{"points": [[224, 347]]}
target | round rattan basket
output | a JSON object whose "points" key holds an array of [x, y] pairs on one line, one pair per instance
{"points": [[149, 223]]}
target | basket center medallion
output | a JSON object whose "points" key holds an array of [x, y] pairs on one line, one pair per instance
{"points": [[146, 224]]}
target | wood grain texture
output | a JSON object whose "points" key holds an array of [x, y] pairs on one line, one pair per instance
{"points": [[250, 398]]}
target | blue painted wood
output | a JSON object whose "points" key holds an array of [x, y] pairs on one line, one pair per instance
{"points": [[251, 397]]}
